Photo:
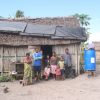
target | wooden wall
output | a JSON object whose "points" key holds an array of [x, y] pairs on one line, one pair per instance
{"points": [[18, 40], [10, 54], [1, 58], [97, 48]]}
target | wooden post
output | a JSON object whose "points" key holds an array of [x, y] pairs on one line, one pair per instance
{"points": [[15, 54], [78, 59], [1, 60], [75, 58], [77, 66]]}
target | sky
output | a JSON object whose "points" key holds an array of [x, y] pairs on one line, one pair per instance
{"points": [[55, 8]]}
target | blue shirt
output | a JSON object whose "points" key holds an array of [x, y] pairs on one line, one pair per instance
{"points": [[37, 56]]}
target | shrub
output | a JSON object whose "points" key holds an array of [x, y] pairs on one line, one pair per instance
{"points": [[5, 78]]}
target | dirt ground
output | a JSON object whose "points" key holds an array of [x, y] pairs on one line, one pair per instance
{"points": [[80, 88]]}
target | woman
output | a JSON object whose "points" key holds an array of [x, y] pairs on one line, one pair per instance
{"points": [[27, 80], [53, 63]]}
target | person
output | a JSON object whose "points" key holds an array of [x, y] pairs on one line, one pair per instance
{"points": [[67, 62], [91, 45], [62, 68], [47, 72], [27, 79], [58, 73], [53, 64], [37, 64], [47, 60]]}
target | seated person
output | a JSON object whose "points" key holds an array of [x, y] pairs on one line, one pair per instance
{"points": [[47, 72]]}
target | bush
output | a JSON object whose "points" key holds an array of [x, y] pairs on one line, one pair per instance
{"points": [[5, 78]]}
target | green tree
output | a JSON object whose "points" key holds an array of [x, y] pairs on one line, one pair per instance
{"points": [[19, 14], [83, 19]]}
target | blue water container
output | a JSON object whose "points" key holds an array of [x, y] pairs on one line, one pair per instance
{"points": [[89, 60]]}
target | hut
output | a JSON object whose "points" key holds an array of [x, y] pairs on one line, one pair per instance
{"points": [[97, 48], [17, 36]]}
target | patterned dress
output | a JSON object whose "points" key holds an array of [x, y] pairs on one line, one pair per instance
{"points": [[28, 70]]}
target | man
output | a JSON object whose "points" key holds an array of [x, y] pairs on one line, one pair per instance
{"points": [[68, 62], [37, 63]]}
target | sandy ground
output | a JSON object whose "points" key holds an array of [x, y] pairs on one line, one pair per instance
{"points": [[80, 88]]}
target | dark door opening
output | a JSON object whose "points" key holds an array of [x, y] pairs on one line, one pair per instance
{"points": [[46, 50]]}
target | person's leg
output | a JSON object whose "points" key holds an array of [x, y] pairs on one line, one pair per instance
{"points": [[45, 74], [35, 74], [57, 77], [39, 74], [69, 71], [93, 73], [54, 76], [46, 77], [66, 71], [62, 74]]}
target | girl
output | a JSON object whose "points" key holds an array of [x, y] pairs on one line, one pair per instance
{"points": [[61, 65], [58, 73]]}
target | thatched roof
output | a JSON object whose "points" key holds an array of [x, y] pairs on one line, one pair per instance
{"points": [[61, 31]]}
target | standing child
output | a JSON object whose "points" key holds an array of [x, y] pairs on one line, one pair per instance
{"points": [[58, 73], [61, 65], [47, 61]]}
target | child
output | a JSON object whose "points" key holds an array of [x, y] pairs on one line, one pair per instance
{"points": [[47, 72], [58, 73], [61, 65], [47, 61]]}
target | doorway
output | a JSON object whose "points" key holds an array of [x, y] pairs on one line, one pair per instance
{"points": [[46, 50]]}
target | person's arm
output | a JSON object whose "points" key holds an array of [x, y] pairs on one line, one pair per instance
{"points": [[25, 61], [50, 60], [39, 57], [30, 60], [70, 57], [34, 57]]}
